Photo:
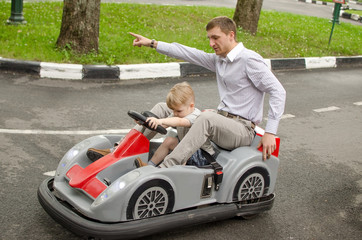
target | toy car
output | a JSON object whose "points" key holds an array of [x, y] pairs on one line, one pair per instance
{"points": [[113, 199]]}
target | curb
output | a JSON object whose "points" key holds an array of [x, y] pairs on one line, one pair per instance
{"points": [[317, 2], [158, 70], [351, 16], [324, 3]]}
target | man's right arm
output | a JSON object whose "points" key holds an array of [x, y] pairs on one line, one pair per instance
{"points": [[187, 54], [178, 51]]}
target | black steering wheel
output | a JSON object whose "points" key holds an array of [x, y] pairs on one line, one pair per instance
{"points": [[142, 120]]}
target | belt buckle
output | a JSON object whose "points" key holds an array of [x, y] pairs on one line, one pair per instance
{"points": [[223, 113], [233, 116]]}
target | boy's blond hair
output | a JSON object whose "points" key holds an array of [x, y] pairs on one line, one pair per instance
{"points": [[180, 94]]}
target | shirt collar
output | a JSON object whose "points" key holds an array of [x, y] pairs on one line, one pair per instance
{"points": [[235, 52]]}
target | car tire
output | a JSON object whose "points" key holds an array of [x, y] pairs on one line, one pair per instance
{"points": [[252, 185], [153, 198]]}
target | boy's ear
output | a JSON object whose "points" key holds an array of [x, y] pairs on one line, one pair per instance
{"points": [[192, 104]]}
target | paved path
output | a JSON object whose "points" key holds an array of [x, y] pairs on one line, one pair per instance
{"points": [[291, 6]]}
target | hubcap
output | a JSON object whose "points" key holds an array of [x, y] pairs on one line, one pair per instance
{"points": [[252, 187], [150, 203]]}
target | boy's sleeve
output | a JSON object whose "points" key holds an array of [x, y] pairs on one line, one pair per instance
{"points": [[192, 116]]}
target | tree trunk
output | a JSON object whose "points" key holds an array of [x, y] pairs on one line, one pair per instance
{"points": [[80, 25], [247, 14]]}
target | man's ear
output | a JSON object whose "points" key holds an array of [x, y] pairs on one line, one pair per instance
{"points": [[232, 35]]}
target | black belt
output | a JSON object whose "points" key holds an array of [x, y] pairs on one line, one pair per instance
{"points": [[233, 116]]}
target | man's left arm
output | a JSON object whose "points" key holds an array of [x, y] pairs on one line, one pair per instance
{"points": [[265, 81], [269, 145]]}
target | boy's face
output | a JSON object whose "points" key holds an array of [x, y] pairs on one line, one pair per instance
{"points": [[183, 110], [221, 43]]}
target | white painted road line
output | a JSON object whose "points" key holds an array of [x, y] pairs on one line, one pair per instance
{"points": [[285, 116], [125, 131], [327, 109], [50, 174], [66, 132]]}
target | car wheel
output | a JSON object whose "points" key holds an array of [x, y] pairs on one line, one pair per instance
{"points": [[251, 185], [153, 198]]}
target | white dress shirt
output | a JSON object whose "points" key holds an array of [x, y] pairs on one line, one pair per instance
{"points": [[243, 78]]}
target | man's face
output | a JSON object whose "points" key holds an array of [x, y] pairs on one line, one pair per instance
{"points": [[221, 43]]}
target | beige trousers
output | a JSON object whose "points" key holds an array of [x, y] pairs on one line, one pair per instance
{"points": [[225, 132]]}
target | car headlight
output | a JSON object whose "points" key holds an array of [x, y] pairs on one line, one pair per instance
{"points": [[104, 196], [100, 199], [72, 153], [63, 164], [128, 178], [116, 186], [122, 184]]}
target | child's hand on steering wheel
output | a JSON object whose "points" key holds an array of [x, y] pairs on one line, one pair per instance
{"points": [[153, 122]]}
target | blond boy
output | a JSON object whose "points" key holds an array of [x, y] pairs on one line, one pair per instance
{"points": [[181, 100]]}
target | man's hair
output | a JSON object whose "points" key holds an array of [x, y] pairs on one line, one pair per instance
{"points": [[224, 23], [180, 94]]}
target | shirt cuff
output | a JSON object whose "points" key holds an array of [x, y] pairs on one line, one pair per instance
{"points": [[272, 126], [162, 47]]}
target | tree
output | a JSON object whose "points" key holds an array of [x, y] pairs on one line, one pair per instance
{"points": [[80, 25], [247, 14]]}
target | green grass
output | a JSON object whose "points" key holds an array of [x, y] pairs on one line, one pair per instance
{"points": [[280, 35], [358, 12]]}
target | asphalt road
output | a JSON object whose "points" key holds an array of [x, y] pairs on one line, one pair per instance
{"points": [[319, 181]]}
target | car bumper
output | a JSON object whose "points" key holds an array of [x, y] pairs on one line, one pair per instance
{"points": [[65, 215]]}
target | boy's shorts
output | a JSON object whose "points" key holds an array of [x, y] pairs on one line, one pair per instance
{"points": [[197, 159]]}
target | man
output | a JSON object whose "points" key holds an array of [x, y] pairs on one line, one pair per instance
{"points": [[243, 78]]}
